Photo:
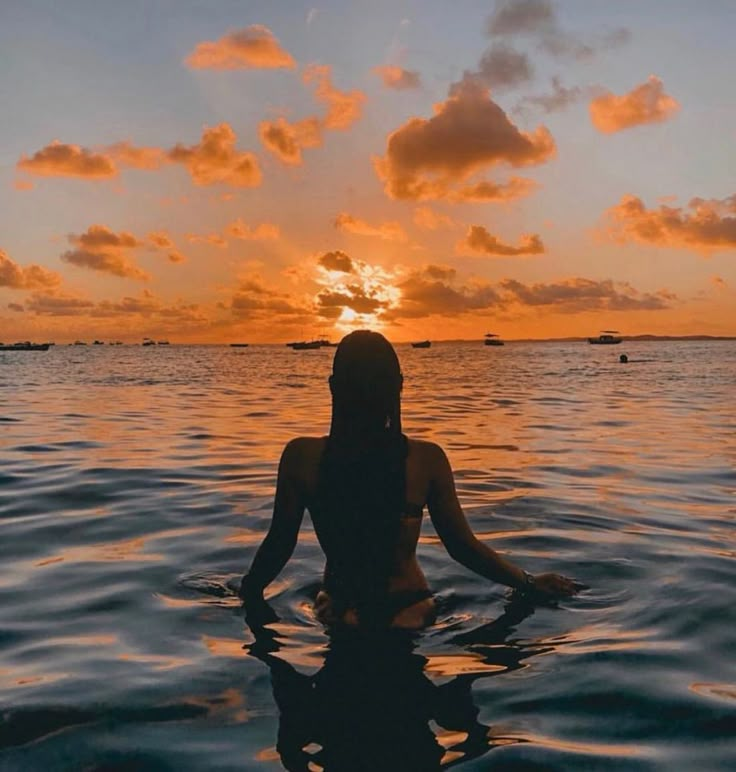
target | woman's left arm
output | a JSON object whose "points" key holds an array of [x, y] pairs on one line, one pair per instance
{"points": [[288, 513]]}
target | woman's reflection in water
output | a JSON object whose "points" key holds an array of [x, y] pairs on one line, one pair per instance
{"points": [[370, 705]]}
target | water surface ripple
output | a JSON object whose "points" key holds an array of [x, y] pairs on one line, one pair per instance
{"points": [[136, 483]]}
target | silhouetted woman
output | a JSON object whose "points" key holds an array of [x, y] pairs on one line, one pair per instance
{"points": [[366, 485]]}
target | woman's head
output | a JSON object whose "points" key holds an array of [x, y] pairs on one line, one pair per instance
{"points": [[366, 386]]}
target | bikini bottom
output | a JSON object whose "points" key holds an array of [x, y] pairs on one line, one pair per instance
{"points": [[383, 611]]}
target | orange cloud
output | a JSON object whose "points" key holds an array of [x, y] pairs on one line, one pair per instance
{"points": [[30, 277], [101, 249], [397, 77], [389, 231], [286, 140], [647, 103], [429, 158], [215, 159], [709, 225], [480, 241], [254, 47], [162, 241], [487, 191], [427, 218], [262, 232], [126, 154], [343, 107], [62, 160], [22, 185], [213, 238]]}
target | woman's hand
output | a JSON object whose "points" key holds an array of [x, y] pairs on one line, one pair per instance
{"points": [[555, 586]]}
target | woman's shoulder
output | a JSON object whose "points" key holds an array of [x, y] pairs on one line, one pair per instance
{"points": [[302, 452], [425, 451]]}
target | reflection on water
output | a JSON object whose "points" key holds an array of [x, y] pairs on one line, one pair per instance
{"points": [[136, 483], [372, 704]]}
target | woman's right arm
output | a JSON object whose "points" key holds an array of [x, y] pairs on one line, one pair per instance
{"points": [[288, 512], [462, 545]]}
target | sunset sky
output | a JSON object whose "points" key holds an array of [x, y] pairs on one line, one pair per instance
{"points": [[222, 170]]}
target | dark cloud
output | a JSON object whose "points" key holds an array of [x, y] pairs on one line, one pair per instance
{"points": [[537, 19], [480, 241], [429, 158], [434, 291], [710, 224], [256, 301], [336, 261], [58, 305], [500, 67], [101, 249], [431, 291], [520, 17], [559, 98], [356, 299], [579, 294]]}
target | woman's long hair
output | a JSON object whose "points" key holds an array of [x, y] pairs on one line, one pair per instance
{"points": [[362, 481]]}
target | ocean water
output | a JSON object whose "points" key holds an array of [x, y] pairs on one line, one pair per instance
{"points": [[136, 484]]}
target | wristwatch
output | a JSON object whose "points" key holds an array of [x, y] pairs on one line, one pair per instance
{"points": [[529, 584]]}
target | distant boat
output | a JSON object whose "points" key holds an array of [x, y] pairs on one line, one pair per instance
{"points": [[609, 337], [79, 343], [239, 345], [306, 345], [25, 345], [422, 344], [148, 342], [492, 339], [97, 343], [163, 342]]}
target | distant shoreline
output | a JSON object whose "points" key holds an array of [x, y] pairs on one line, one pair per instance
{"points": [[572, 339], [625, 338]]}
